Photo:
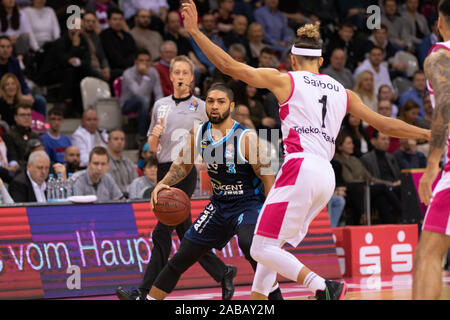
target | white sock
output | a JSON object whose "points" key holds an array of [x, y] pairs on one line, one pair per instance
{"points": [[314, 282], [149, 298]]}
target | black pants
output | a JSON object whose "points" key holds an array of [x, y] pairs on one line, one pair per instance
{"points": [[385, 200], [162, 238], [191, 252]]}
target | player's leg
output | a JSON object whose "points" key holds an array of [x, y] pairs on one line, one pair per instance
{"points": [[428, 265], [245, 238], [188, 253]]}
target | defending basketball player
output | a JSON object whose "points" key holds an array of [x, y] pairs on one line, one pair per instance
{"points": [[435, 237], [239, 188], [312, 107]]}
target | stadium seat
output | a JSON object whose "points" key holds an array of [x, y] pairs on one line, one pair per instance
{"points": [[109, 113], [401, 85], [92, 90]]}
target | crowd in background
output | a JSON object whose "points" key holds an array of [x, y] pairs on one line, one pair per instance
{"points": [[130, 43]]}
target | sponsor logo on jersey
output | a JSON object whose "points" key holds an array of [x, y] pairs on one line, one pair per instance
{"points": [[220, 189], [312, 130]]}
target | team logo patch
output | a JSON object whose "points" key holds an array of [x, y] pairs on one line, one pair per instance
{"points": [[193, 106], [229, 152]]}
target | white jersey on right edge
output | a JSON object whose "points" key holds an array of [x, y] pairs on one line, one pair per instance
{"points": [[312, 116]]}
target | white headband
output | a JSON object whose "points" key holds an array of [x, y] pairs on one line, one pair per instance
{"points": [[306, 52]]}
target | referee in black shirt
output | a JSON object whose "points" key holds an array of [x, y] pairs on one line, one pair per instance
{"points": [[170, 116]]}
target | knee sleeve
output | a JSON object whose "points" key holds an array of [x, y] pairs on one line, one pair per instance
{"points": [[269, 253]]}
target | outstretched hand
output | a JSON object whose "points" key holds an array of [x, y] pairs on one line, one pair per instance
{"points": [[190, 16]]}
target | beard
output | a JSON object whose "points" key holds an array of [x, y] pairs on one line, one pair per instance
{"points": [[221, 118]]}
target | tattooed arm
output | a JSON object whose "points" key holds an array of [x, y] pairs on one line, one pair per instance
{"points": [[437, 71], [256, 154], [179, 169]]}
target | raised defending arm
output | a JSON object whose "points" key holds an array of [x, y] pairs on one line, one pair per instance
{"points": [[389, 126], [269, 78]]}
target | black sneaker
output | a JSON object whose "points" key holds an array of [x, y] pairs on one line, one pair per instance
{"points": [[275, 295], [227, 283], [135, 294], [334, 291]]}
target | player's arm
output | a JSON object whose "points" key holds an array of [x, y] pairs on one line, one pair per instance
{"points": [[386, 125], [179, 169], [258, 156], [269, 78], [437, 71]]}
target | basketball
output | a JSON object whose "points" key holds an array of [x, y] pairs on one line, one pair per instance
{"points": [[173, 206]]}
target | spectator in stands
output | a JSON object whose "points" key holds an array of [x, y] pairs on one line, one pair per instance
{"points": [[177, 34], [382, 165], [99, 63], [379, 38], [142, 187], [88, 135], [337, 202], [355, 175], [209, 29], [121, 169], [241, 114], [365, 89], [409, 112], [424, 47], [143, 154], [101, 9], [54, 141], [385, 109], [394, 23], [408, 157], [337, 69], [276, 31], [224, 16], [352, 126], [344, 39], [95, 180], [140, 83], [258, 115], [374, 63], [71, 63], [16, 25], [145, 38], [238, 34], [385, 93], [32, 146], [6, 171], [168, 52], [29, 185], [10, 64], [353, 11], [425, 122], [4, 194], [266, 58], [10, 96], [416, 92], [43, 22], [157, 8], [255, 40], [72, 159], [17, 137], [118, 45], [415, 26]]}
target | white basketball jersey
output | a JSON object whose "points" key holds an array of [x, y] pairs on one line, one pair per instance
{"points": [[311, 118], [439, 45]]}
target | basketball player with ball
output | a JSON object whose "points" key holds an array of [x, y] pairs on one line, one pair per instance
{"points": [[241, 176], [312, 107]]}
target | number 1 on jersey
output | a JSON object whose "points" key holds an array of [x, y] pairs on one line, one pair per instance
{"points": [[323, 101]]}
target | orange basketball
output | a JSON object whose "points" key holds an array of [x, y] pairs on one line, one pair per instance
{"points": [[173, 206]]}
